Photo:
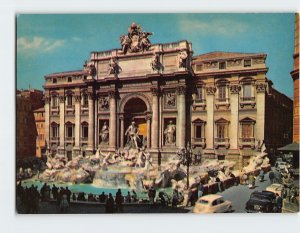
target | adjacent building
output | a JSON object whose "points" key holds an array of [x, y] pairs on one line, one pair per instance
{"points": [[218, 102], [39, 117], [26, 102]]}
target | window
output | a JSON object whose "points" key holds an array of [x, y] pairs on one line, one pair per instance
{"points": [[54, 80], [221, 131], [222, 65], [69, 100], [85, 131], [199, 67], [85, 100], [199, 95], [247, 63], [42, 114], [222, 93], [69, 131], [69, 79], [247, 130], [54, 101], [54, 130], [247, 90], [198, 129]]}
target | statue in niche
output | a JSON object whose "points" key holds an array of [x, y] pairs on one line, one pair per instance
{"points": [[132, 134], [182, 57], [170, 133], [90, 68], [104, 133]]}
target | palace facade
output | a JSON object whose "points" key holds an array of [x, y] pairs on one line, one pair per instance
{"points": [[218, 102]]}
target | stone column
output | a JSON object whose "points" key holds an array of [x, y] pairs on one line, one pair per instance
{"points": [[234, 118], [112, 120], [154, 128], [210, 102], [260, 106], [122, 131], [47, 122], [90, 146], [181, 117], [61, 148], [148, 119], [77, 125]]}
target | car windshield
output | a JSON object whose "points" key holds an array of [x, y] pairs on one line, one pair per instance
{"points": [[204, 202]]}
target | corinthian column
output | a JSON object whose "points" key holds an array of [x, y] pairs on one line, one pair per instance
{"points": [[112, 120], [260, 105], [234, 118], [90, 147], [61, 149], [77, 124], [181, 117], [154, 128], [47, 122], [209, 132], [122, 132], [148, 119]]}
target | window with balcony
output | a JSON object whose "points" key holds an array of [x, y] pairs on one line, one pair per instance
{"points": [[84, 131], [199, 132], [247, 90], [69, 100], [69, 131], [54, 101], [222, 139], [222, 93], [54, 130], [85, 100], [247, 132]]}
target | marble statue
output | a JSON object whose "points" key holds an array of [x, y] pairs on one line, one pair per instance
{"points": [[104, 133], [170, 133], [132, 134]]}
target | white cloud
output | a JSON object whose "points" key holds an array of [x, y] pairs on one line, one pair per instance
{"points": [[216, 27], [38, 44], [75, 38]]}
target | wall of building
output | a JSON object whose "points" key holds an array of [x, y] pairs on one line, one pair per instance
{"points": [[39, 116], [26, 102]]}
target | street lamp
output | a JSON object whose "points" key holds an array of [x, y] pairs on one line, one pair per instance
{"points": [[185, 155]]}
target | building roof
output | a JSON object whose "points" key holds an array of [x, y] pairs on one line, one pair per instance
{"points": [[66, 73], [225, 55], [42, 109]]}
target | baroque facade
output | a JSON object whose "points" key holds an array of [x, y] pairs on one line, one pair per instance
{"points": [[215, 101]]}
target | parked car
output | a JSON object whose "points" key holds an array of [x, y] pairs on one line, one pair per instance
{"points": [[261, 202], [275, 188], [212, 204]]}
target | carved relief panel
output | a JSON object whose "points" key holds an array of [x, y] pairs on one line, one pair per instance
{"points": [[170, 100]]}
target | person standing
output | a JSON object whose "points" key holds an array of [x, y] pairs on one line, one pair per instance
{"points": [[271, 176], [175, 198], [110, 204], [278, 203], [119, 201], [151, 195]]}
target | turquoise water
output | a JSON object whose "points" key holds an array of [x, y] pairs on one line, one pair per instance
{"points": [[90, 188]]}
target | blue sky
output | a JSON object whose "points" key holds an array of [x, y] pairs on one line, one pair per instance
{"points": [[61, 42]]}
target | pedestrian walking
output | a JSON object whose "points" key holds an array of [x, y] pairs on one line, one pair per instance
{"points": [[271, 176]]}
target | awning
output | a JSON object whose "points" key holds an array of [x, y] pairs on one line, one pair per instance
{"points": [[290, 147]]}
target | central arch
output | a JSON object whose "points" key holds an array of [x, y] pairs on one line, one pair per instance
{"points": [[135, 107]]}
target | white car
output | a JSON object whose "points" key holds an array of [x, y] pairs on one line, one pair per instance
{"points": [[275, 188], [212, 204]]}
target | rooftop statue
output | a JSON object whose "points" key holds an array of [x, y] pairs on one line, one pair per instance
{"points": [[136, 40]]}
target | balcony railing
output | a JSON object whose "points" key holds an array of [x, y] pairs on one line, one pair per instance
{"points": [[247, 142], [54, 139], [199, 141], [55, 108], [85, 106], [69, 139], [199, 103], [84, 139], [247, 99], [222, 142], [222, 102]]}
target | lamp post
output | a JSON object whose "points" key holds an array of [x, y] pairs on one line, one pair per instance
{"points": [[186, 158]]}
